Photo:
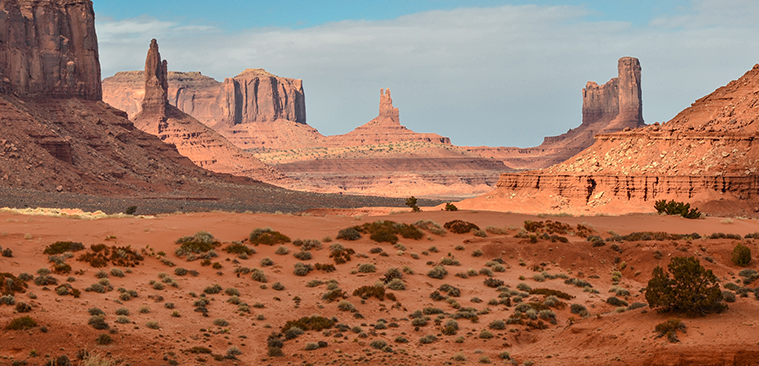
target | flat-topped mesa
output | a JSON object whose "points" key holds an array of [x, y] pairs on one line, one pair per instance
{"points": [[256, 95], [49, 48], [156, 82]]}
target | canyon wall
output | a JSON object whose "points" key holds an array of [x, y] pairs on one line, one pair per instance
{"points": [[705, 155], [49, 48]]}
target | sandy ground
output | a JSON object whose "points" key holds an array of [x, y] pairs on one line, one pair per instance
{"points": [[603, 338]]}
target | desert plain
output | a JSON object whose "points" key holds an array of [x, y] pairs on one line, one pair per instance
{"points": [[163, 326]]}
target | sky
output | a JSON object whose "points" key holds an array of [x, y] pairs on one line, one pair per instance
{"points": [[482, 72]]}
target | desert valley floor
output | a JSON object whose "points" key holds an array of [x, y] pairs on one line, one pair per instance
{"points": [[168, 310]]}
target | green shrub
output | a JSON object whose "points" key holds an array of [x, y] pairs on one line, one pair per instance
{"points": [[278, 286], [61, 247], [98, 322], [214, 289], [22, 307], [267, 236], [349, 234], [669, 329], [282, 250], [265, 262], [460, 227], [497, 324], [411, 202], [451, 207], [104, 339], [741, 255], [367, 268], [239, 248], [200, 242], [692, 289], [258, 275], [438, 272], [676, 208], [345, 305], [152, 325], [22, 323], [302, 255], [396, 284], [427, 339], [220, 322], [366, 292], [302, 269]]}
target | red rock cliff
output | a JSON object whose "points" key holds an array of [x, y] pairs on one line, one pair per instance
{"points": [[49, 48], [258, 96]]}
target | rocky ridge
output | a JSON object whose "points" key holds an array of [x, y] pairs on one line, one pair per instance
{"points": [[704, 154], [201, 144]]}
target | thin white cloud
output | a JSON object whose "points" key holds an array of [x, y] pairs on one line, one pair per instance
{"points": [[497, 76]]}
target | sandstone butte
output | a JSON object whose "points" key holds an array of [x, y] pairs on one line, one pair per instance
{"points": [[705, 155], [55, 132], [198, 142], [606, 108], [59, 142]]}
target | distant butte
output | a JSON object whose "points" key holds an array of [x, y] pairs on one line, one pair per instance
{"points": [[201, 144], [705, 155]]}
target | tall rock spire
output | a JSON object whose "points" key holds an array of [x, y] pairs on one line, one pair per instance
{"points": [[386, 109], [616, 104], [156, 82]]}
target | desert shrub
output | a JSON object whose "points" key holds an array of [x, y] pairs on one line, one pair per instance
{"points": [[345, 305], [450, 290], [278, 286], [388, 231], [349, 234], [431, 226], [200, 242], [239, 248], [22, 323], [302, 269], [497, 324], [282, 250], [577, 309], [578, 282], [152, 325], [484, 334], [427, 339], [61, 247], [676, 208], [315, 323], [367, 268], [448, 261], [310, 346], [7, 252], [366, 292], [615, 301], [396, 284], [460, 227], [122, 311], [258, 275], [480, 233], [477, 253], [451, 207], [302, 255], [267, 236], [378, 344], [728, 296], [9, 284], [496, 230], [122, 319], [98, 322], [220, 322], [692, 289], [214, 289], [741, 255], [669, 329], [438, 272], [103, 339]]}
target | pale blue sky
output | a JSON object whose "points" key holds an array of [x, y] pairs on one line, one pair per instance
{"points": [[483, 72]]}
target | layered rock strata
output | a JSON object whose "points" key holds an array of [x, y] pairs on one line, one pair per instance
{"points": [[49, 48], [201, 144], [255, 109], [705, 154], [606, 108]]}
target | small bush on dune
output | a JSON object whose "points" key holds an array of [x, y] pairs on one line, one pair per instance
{"points": [[238, 248], [349, 234], [431, 226], [669, 329], [677, 209], [438, 272], [61, 247], [22, 323], [460, 227], [267, 236], [200, 242], [741, 255]]}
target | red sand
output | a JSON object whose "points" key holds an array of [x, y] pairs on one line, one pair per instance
{"points": [[603, 338]]}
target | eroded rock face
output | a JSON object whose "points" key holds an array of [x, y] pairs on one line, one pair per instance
{"points": [[705, 154], [201, 144], [258, 96], [49, 48], [606, 108]]}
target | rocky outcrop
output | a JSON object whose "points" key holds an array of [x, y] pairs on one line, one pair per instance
{"points": [[705, 154], [49, 48], [385, 128], [258, 96], [201, 144], [606, 108]]}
